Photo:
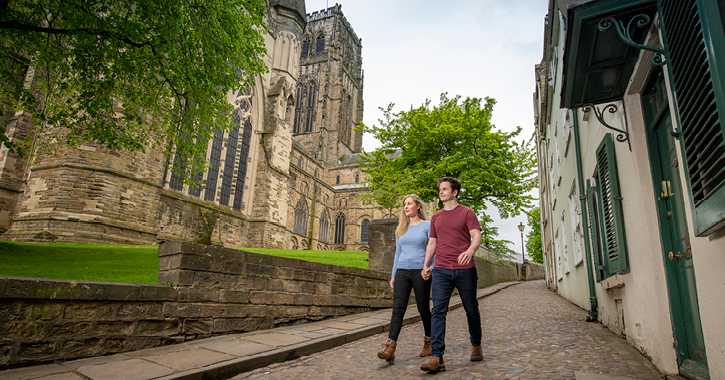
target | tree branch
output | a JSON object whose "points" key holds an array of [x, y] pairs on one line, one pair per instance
{"points": [[101, 33]]}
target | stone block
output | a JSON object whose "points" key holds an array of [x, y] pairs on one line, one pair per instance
{"points": [[320, 300], [13, 311], [291, 286], [304, 275], [274, 285], [113, 345], [184, 310], [5, 354], [169, 262], [23, 330], [233, 296], [81, 348], [250, 283], [227, 325], [260, 270], [283, 298], [140, 343], [158, 328], [195, 263], [229, 266], [3, 285], [70, 329], [105, 328], [213, 310], [215, 280], [36, 350], [303, 299], [86, 291], [89, 310], [246, 311], [296, 312], [263, 298], [179, 277], [140, 310], [31, 288], [322, 277], [198, 326], [286, 273], [116, 292], [198, 295], [45, 311], [157, 293]]}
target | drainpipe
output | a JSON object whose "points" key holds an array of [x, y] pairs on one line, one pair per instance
{"points": [[312, 219], [592, 314]]}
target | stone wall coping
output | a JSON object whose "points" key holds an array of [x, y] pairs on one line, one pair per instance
{"points": [[43, 288], [170, 248]]}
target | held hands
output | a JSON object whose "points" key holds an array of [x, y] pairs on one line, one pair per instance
{"points": [[426, 272], [465, 258]]}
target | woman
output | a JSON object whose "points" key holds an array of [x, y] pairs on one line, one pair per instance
{"points": [[411, 241]]}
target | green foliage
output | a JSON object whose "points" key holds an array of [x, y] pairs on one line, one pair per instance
{"points": [[533, 238], [129, 74], [455, 139], [79, 261]]}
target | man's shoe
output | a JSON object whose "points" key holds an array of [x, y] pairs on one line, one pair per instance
{"points": [[434, 365], [476, 353], [389, 352], [426, 347]]}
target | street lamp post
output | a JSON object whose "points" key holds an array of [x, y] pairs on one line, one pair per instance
{"points": [[521, 228]]}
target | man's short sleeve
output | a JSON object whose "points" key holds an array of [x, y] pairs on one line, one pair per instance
{"points": [[432, 233], [472, 220]]}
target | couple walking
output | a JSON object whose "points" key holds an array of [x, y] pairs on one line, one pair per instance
{"points": [[450, 239]]}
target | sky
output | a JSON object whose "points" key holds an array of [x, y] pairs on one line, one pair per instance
{"points": [[413, 50]]}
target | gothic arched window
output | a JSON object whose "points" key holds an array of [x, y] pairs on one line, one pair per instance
{"points": [[340, 229], [298, 109], [301, 217], [357, 177], [364, 230], [324, 225], [320, 43], [305, 47], [337, 181], [311, 95]]}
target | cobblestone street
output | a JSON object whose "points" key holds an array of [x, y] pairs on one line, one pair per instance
{"points": [[528, 333]]}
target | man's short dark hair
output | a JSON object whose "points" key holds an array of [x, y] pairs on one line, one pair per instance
{"points": [[455, 184]]}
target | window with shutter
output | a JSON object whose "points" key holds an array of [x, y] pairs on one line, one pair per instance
{"points": [[697, 68], [609, 201], [594, 229]]}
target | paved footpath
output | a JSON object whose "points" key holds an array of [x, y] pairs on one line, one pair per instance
{"points": [[529, 333]]}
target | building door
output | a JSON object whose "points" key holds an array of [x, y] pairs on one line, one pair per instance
{"points": [[681, 287]]}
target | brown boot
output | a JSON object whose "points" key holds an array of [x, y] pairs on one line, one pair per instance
{"points": [[426, 347], [389, 352], [435, 364], [476, 353]]}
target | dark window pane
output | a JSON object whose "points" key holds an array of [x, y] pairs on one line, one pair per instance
{"points": [[229, 164], [214, 158]]}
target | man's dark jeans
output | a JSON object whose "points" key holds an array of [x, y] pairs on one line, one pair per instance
{"points": [[444, 281], [405, 280]]}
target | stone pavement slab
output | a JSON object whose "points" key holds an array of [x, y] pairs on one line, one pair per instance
{"points": [[225, 356]]}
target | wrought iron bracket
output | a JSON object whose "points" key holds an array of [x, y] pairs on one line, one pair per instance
{"points": [[623, 134], [641, 21]]}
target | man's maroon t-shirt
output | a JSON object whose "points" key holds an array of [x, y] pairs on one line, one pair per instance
{"points": [[451, 228]]}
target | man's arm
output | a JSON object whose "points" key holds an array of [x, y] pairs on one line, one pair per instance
{"points": [[466, 256], [430, 251]]}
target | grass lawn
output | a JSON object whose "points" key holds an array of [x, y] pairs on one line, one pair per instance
{"points": [[122, 263], [353, 259]]}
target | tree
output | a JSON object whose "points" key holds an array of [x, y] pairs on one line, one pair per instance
{"points": [[533, 238], [129, 74], [455, 139]]}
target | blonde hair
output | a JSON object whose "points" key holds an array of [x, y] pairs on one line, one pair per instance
{"points": [[404, 222]]}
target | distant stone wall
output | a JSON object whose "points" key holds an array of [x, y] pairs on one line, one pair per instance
{"points": [[215, 291]]}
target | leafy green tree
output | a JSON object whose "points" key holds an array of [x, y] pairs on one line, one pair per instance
{"points": [[533, 238], [456, 139], [129, 74]]}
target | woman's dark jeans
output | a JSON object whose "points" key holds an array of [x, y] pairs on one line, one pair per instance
{"points": [[405, 280]]}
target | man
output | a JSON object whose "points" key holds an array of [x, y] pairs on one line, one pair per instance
{"points": [[455, 235]]}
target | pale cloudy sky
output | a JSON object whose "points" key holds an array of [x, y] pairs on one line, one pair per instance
{"points": [[414, 50]]}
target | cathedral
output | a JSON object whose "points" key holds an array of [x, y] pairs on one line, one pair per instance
{"points": [[285, 176]]}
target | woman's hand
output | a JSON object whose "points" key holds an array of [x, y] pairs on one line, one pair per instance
{"points": [[392, 280]]}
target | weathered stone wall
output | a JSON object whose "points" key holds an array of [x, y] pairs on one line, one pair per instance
{"points": [[382, 244], [215, 291]]}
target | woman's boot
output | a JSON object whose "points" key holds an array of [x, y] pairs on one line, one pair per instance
{"points": [[426, 347], [389, 352]]}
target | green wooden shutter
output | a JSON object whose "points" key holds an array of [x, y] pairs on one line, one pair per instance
{"points": [[594, 226], [610, 208], [694, 37]]}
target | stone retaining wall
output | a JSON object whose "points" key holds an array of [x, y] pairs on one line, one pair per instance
{"points": [[215, 291]]}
